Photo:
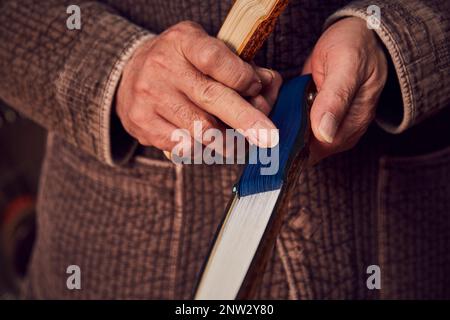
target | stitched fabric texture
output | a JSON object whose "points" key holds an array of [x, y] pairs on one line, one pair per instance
{"points": [[141, 230]]}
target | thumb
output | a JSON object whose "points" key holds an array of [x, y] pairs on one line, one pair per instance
{"points": [[333, 101]]}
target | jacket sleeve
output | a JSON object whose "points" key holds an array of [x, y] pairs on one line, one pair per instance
{"points": [[416, 35], [65, 79]]}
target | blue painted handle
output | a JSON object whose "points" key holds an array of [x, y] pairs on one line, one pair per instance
{"points": [[290, 117]]}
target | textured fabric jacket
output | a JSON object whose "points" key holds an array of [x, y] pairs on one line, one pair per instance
{"points": [[139, 226]]}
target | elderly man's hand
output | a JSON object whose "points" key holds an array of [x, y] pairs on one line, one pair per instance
{"points": [[349, 68], [184, 75]]}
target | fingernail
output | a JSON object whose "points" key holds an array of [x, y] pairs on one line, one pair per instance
{"points": [[274, 138], [255, 88], [264, 134], [252, 136], [328, 127], [266, 76]]}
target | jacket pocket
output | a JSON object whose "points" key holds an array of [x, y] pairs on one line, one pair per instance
{"points": [[414, 226], [120, 225]]}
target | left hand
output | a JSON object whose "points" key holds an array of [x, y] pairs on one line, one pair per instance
{"points": [[349, 68]]}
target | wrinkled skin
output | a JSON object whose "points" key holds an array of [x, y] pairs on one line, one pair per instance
{"points": [[183, 75]]}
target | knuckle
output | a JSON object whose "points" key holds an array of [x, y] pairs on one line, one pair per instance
{"points": [[242, 115], [140, 87], [211, 92], [180, 30], [178, 109], [173, 33], [241, 77], [183, 112], [193, 76], [188, 25], [342, 95], [210, 56]]}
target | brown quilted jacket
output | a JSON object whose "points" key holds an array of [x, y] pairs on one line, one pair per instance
{"points": [[139, 226]]}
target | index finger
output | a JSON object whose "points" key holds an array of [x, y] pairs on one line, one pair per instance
{"points": [[227, 105], [212, 57]]}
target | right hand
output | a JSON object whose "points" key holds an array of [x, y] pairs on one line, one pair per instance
{"points": [[184, 75]]}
